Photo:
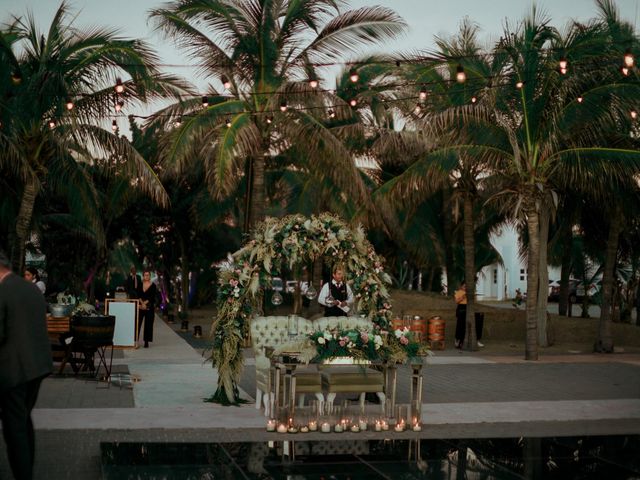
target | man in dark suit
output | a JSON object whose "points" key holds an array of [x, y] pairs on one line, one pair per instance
{"points": [[133, 284], [25, 359]]}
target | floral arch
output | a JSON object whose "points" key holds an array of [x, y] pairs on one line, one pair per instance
{"points": [[283, 243]]}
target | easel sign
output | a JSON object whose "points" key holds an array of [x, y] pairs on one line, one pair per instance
{"points": [[126, 313]]}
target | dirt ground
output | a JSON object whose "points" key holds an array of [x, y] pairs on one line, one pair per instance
{"points": [[504, 329]]}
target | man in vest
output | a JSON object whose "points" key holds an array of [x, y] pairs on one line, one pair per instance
{"points": [[336, 296]]}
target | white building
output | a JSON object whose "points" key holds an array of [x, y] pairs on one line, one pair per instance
{"points": [[499, 282]]}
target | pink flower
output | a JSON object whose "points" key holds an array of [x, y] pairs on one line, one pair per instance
{"points": [[404, 340], [342, 342], [233, 282], [365, 337]]}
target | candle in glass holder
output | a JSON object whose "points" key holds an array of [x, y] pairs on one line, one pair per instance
{"points": [[385, 425], [416, 426], [313, 425], [338, 428], [304, 429], [355, 428], [400, 426], [362, 424], [325, 427], [271, 425], [282, 428], [292, 429], [377, 426]]}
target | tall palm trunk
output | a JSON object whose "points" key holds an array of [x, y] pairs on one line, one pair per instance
{"points": [[605, 339], [447, 224], [257, 202], [23, 223], [533, 263], [469, 272], [543, 278]]}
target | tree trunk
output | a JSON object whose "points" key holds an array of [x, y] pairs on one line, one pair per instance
{"points": [[23, 224], [543, 279], [605, 339], [447, 231], [533, 263], [257, 203], [565, 272], [184, 277], [469, 273]]}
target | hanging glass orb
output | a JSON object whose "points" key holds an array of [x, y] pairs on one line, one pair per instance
{"points": [[311, 292], [330, 301], [276, 298]]}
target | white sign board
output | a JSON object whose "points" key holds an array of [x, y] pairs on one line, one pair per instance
{"points": [[126, 313]]}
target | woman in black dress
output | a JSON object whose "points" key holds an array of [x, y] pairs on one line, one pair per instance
{"points": [[147, 307]]}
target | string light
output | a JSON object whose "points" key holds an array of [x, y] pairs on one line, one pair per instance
{"points": [[228, 123], [474, 99], [580, 99], [178, 121], [313, 83], [519, 84], [461, 77], [625, 70], [332, 113], [633, 114], [269, 119], [418, 109], [52, 124], [353, 75], [119, 86], [628, 58], [114, 125], [563, 64], [225, 82], [563, 71], [423, 94], [119, 105], [353, 102], [69, 104], [205, 102], [283, 106]]}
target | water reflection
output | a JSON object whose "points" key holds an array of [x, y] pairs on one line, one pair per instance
{"points": [[531, 458]]}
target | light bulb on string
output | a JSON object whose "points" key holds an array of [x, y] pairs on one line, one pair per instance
{"points": [[563, 64], [563, 71], [461, 77], [52, 124], [417, 109], [114, 125], [423, 94], [353, 75], [225, 82], [580, 99], [205, 102], [269, 119], [332, 113], [69, 104], [178, 121], [474, 99], [519, 85], [283, 106], [633, 114], [353, 102], [228, 123], [119, 105], [313, 83], [624, 70], [119, 86], [629, 60]]}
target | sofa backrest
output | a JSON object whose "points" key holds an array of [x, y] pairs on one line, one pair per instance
{"points": [[273, 331], [343, 323]]}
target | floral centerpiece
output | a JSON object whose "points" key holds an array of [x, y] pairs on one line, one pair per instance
{"points": [[282, 243]]}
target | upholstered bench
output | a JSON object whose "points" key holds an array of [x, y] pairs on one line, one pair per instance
{"points": [[350, 379], [272, 332]]}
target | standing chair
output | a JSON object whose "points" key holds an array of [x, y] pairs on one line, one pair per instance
{"points": [[91, 335]]}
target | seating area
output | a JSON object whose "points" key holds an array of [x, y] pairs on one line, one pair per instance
{"points": [[274, 331]]}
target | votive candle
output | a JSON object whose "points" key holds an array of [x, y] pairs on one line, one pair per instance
{"points": [[325, 427], [313, 426], [282, 428], [271, 425]]}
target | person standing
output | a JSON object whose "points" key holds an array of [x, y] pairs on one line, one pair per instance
{"points": [[133, 284], [460, 296], [25, 360], [147, 298], [339, 291], [31, 275]]}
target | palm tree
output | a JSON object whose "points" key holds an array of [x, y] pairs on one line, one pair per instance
{"points": [[57, 91], [267, 55]]}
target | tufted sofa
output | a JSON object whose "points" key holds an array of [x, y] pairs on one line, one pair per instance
{"points": [[350, 379], [272, 332]]}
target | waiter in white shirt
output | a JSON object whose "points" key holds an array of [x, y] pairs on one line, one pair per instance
{"points": [[339, 291]]}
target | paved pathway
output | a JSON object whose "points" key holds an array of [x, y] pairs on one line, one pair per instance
{"points": [[466, 395]]}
